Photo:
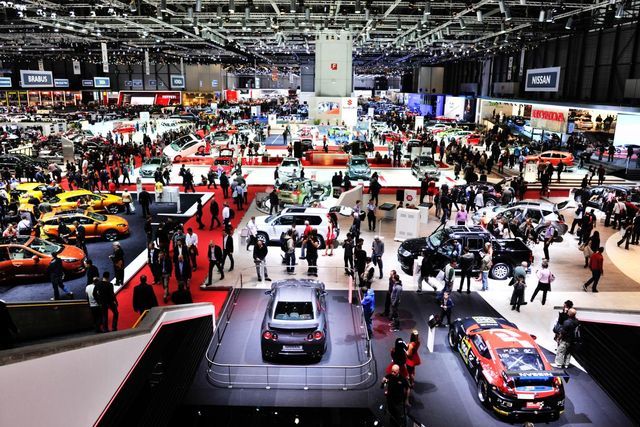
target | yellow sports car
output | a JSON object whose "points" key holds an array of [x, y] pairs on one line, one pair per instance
{"points": [[27, 190], [83, 199], [96, 225]]}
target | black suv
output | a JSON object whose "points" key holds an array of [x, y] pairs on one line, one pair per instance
{"points": [[492, 192], [596, 196], [507, 253], [10, 161]]}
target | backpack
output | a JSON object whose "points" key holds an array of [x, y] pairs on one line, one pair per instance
{"points": [[232, 213], [283, 243]]}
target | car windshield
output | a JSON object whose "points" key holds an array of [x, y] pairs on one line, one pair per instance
{"points": [[44, 246], [426, 161], [358, 162], [287, 310], [97, 216], [155, 161], [437, 238], [289, 186], [520, 359], [289, 163]]}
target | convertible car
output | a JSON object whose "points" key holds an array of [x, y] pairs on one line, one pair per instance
{"points": [[295, 321], [512, 374]]}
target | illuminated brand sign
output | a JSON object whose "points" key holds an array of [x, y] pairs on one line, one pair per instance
{"points": [[101, 82], [87, 83], [31, 78], [61, 82], [177, 81], [548, 115], [5, 81], [543, 80]]}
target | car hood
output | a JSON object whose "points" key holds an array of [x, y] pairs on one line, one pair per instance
{"points": [[71, 253], [359, 167], [414, 245]]}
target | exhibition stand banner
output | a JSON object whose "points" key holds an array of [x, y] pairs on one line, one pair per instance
{"points": [[5, 81], [543, 80], [34, 78], [61, 82], [177, 81], [101, 82], [552, 119]]}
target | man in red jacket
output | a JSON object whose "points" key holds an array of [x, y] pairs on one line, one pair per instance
{"points": [[596, 265]]}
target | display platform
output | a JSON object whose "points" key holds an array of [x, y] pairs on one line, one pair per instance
{"points": [[98, 250], [441, 381], [237, 359]]}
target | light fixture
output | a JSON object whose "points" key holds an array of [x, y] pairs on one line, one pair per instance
{"points": [[358, 6], [501, 5], [247, 12], [619, 11], [569, 23], [550, 17], [479, 15], [292, 6], [461, 22], [427, 8], [198, 5], [541, 17], [232, 6], [507, 13]]}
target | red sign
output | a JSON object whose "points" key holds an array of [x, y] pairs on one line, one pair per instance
{"points": [[548, 115], [349, 101], [334, 66]]}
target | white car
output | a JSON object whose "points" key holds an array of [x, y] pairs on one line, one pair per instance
{"points": [[271, 227], [185, 146], [379, 126], [289, 168], [438, 127], [220, 139], [18, 118], [538, 211]]}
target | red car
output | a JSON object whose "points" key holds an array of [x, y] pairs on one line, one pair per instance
{"points": [[225, 160], [552, 156], [512, 374], [473, 139]]}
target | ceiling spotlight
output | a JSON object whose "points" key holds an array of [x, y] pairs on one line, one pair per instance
{"points": [[232, 6], [427, 8], [541, 17], [507, 13], [198, 5], [569, 23], [479, 15], [501, 5], [619, 11], [292, 6], [550, 17], [461, 22], [358, 6]]}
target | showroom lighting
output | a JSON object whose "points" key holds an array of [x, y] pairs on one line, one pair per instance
{"points": [[619, 11], [247, 13], [427, 8], [550, 17], [479, 15], [232, 6], [198, 5], [541, 17], [358, 6], [501, 6], [569, 23], [292, 6], [461, 22]]}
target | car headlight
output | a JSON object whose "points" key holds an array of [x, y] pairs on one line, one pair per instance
{"points": [[404, 252], [68, 260], [121, 225]]}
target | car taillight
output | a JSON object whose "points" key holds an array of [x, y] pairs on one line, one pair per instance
{"points": [[317, 335], [557, 381], [295, 193], [268, 335]]}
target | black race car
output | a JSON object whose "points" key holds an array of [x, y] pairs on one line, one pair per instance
{"points": [[512, 374], [295, 323]]}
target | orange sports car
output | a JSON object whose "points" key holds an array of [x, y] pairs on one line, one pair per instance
{"points": [[28, 256], [552, 156], [96, 225]]}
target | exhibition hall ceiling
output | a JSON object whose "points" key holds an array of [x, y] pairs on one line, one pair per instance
{"points": [[387, 34]]}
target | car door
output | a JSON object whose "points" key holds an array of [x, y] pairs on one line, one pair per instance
{"points": [[280, 225], [97, 202], [6, 267], [91, 226], [21, 261], [475, 245]]}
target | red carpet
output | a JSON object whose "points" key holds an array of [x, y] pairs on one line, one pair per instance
{"points": [[125, 297]]}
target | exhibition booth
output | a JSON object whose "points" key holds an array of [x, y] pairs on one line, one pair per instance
{"points": [[39, 97]]}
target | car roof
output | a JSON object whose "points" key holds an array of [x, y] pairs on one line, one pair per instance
{"points": [[304, 210], [293, 293], [498, 339], [75, 193], [461, 229]]}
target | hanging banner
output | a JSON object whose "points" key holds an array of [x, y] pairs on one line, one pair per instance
{"points": [[101, 82], [5, 81], [146, 62], [61, 82], [177, 82], [40, 65], [105, 58], [543, 79], [30, 78], [181, 66], [552, 119], [76, 67], [137, 84], [419, 123]]}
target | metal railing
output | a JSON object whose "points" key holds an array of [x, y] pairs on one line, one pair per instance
{"points": [[304, 377]]}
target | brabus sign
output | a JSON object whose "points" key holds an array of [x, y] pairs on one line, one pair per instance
{"points": [[34, 78], [543, 80]]}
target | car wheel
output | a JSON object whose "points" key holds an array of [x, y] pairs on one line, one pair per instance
{"points": [[263, 237], [483, 391], [110, 235], [500, 271], [490, 203], [113, 209], [453, 339], [305, 201]]}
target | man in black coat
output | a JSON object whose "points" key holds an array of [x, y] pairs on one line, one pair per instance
{"points": [[81, 237], [165, 267], [145, 200], [224, 183], [117, 257], [105, 296], [274, 201], [143, 296], [214, 207], [152, 259], [182, 270], [91, 271], [56, 274], [227, 248], [214, 255]]}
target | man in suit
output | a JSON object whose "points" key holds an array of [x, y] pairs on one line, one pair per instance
{"points": [[81, 237], [143, 296], [118, 263], [91, 271], [183, 270], [214, 207], [56, 274], [106, 298], [145, 200], [214, 255], [227, 248], [166, 267], [152, 260]]}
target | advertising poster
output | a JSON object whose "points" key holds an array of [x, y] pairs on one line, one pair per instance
{"points": [[552, 119], [329, 107], [627, 129], [588, 120], [454, 107]]}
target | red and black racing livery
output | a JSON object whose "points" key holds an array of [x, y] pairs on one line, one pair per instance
{"points": [[512, 374]]}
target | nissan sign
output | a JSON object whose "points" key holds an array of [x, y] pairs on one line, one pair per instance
{"points": [[177, 81], [543, 80], [32, 78]]}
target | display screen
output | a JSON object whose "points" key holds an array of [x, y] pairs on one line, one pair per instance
{"points": [[588, 120], [627, 129], [332, 108]]}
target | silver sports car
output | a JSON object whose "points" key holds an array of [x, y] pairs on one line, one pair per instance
{"points": [[295, 321]]}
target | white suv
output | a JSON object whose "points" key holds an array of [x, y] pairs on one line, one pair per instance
{"points": [[271, 227], [290, 168]]}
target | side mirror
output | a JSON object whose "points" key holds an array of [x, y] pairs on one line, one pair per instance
{"points": [[267, 292], [533, 336], [35, 258]]}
